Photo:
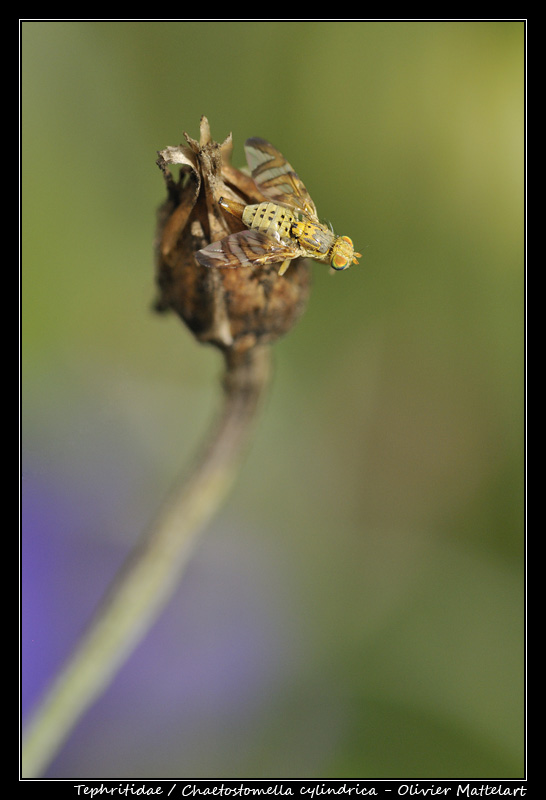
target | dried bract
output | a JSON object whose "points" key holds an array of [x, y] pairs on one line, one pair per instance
{"points": [[233, 309]]}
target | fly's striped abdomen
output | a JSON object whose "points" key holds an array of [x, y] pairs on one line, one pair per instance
{"points": [[270, 218]]}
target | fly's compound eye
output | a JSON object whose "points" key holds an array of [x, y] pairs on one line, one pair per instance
{"points": [[340, 262]]}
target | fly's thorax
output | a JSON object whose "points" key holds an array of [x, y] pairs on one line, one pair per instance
{"points": [[270, 218], [314, 237]]}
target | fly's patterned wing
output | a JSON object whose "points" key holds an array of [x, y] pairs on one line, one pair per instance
{"points": [[250, 248], [276, 178]]}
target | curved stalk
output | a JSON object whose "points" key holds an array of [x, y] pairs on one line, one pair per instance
{"points": [[151, 574]]}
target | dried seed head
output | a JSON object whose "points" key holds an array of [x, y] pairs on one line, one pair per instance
{"points": [[233, 309]]}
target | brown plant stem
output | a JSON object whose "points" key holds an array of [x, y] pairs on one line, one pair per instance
{"points": [[152, 572]]}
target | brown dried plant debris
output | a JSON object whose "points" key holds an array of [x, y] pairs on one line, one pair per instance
{"points": [[233, 309]]}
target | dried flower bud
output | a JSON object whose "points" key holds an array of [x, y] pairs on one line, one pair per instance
{"points": [[233, 309]]}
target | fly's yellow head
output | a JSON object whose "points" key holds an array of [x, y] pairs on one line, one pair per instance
{"points": [[343, 253]]}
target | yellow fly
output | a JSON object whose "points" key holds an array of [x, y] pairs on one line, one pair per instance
{"points": [[284, 227]]}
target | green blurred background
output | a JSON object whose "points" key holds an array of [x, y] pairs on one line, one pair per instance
{"points": [[356, 609]]}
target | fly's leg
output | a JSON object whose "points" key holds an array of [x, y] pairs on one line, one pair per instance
{"points": [[284, 266]]}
